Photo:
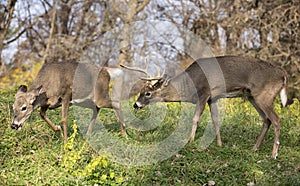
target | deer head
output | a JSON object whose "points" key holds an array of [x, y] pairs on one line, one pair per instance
{"points": [[24, 105], [152, 91]]}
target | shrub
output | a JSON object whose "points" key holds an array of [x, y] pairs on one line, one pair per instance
{"points": [[98, 171]]}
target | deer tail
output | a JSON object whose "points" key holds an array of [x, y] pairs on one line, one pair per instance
{"points": [[283, 92]]}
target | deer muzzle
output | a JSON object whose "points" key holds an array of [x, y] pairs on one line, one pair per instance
{"points": [[137, 105], [16, 127]]}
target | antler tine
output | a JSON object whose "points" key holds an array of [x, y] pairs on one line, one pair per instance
{"points": [[138, 69], [135, 69], [163, 72], [157, 70], [147, 66], [156, 77], [149, 76]]}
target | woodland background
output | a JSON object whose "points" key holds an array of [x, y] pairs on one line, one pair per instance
{"points": [[33, 32], [45, 31]]}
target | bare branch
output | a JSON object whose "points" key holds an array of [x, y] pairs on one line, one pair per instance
{"points": [[23, 31], [142, 6], [51, 31]]}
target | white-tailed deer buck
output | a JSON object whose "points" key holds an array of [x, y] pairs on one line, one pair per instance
{"points": [[61, 84], [222, 77]]}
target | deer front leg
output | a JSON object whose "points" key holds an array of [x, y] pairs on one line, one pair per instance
{"points": [[213, 105], [43, 115]]}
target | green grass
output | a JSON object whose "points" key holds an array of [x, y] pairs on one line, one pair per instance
{"points": [[36, 155]]}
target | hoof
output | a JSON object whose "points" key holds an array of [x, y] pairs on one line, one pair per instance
{"points": [[88, 132], [255, 148], [275, 156], [58, 128], [124, 134], [192, 139]]}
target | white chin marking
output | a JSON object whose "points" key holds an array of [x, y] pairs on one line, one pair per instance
{"points": [[19, 128], [139, 104]]}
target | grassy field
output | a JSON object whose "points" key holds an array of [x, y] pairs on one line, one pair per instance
{"points": [[37, 156]]}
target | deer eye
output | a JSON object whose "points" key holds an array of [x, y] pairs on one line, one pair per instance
{"points": [[148, 94], [24, 108]]}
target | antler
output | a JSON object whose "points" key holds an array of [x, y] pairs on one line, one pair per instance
{"points": [[145, 71]]}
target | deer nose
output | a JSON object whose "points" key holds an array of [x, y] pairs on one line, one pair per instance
{"points": [[14, 126], [137, 105]]}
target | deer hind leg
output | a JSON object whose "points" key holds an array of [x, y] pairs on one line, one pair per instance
{"points": [[106, 103], [197, 114], [44, 116], [276, 123], [65, 109], [266, 124], [213, 105], [93, 120], [265, 103], [117, 106]]}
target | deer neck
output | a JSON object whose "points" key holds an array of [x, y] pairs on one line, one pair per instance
{"points": [[179, 89]]}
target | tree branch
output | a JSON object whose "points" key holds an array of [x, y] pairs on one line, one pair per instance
{"points": [[142, 6], [22, 32]]}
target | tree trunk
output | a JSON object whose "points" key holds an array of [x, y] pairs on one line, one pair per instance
{"points": [[133, 9], [4, 26]]}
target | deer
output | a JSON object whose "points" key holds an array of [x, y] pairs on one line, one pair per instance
{"points": [[62, 84], [221, 77]]}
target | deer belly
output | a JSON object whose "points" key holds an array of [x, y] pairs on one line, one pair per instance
{"points": [[87, 102], [54, 102]]}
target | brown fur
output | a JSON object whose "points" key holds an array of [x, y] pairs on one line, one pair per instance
{"points": [[208, 79], [61, 84]]}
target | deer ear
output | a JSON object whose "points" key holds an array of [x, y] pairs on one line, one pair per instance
{"points": [[35, 94], [37, 91], [22, 89]]}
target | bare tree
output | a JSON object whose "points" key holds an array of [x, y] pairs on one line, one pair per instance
{"points": [[6, 14], [269, 31], [65, 29], [263, 29], [127, 16]]}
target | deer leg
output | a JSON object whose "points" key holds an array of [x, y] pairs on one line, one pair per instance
{"points": [[213, 105], [266, 124], [92, 122], [198, 112], [276, 123], [43, 115], [265, 128], [116, 105], [65, 109], [273, 118]]}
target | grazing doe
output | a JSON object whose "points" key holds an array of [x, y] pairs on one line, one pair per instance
{"points": [[222, 77], [61, 84]]}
